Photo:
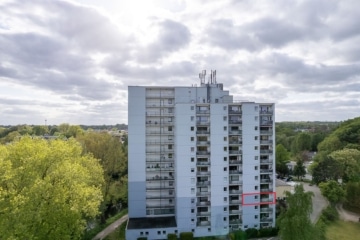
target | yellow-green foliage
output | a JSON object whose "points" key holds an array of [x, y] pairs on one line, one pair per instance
{"points": [[47, 189]]}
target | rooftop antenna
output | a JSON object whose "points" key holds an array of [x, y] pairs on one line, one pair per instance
{"points": [[202, 76]]}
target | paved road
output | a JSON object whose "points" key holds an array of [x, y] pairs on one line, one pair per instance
{"points": [[319, 202], [110, 228], [346, 215]]}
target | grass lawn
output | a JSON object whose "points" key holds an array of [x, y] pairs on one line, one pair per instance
{"points": [[341, 230]]}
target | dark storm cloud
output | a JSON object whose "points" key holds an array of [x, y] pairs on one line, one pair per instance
{"points": [[172, 37]]}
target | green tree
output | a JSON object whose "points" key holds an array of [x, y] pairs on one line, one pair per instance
{"points": [[333, 191], [282, 158], [327, 168], [353, 195], [294, 223], [110, 151], [299, 169], [302, 143], [48, 189], [349, 163], [40, 130]]}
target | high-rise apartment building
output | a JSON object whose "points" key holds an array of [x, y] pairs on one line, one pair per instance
{"points": [[199, 161]]}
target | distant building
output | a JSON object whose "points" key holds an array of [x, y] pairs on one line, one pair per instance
{"points": [[198, 161]]}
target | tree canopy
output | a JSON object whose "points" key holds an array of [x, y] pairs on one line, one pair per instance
{"points": [[48, 189], [295, 222]]}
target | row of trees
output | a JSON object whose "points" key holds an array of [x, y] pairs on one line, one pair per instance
{"points": [[50, 189]]}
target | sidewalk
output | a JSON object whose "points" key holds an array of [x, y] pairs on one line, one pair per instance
{"points": [[110, 228]]}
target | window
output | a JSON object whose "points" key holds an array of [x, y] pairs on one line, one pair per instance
{"points": [[170, 146], [170, 110], [225, 209], [191, 128], [225, 149], [170, 155], [169, 101], [256, 128], [141, 233], [225, 199], [171, 183], [225, 159], [225, 179], [225, 169], [170, 128], [192, 220], [146, 233], [256, 137], [192, 180], [192, 170], [256, 207], [256, 118], [164, 232], [224, 219], [246, 226], [256, 108], [192, 190], [225, 128], [192, 230], [256, 177], [225, 189], [192, 107], [192, 139], [256, 157], [192, 149], [256, 216], [192, 159], [256, 197], [224, 108], [159, 232], [256, 147], [255, 226], [225, 118], [256, 167], [192, 118], [192, 200], [169, 119], [209, 229], [256, 187], [192, 210], [225, 139]]}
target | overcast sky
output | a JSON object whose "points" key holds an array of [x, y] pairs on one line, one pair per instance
{"points": [[72, 61]]}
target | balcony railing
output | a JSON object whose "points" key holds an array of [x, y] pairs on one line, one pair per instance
{"points": [[265, 180], [266, 200], [235, 111], [158, 131], [235, 181], [266, 170], [207, 111], [265, 161], [265, 112], [235, 142], [266, 141], [266, 210], [235, 201], [235, 162], [204, 213], [266, 132], [202, 123], [159, 204], [266, 151], [234, 192], [159, 114], [266, 219], [201, 163], [202, 131], [235, 121], [204, 173], [266, 122], [203, 143], [235, 152], [203, 183], [266, 189], [154, 142], [235, 172], [235, 132], [235, 221], [236, 211], [202, 153], [207, 203], [158, 104], [203, 193], [203, 223], [158, 196]]}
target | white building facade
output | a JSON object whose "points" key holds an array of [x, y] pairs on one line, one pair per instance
{"points": [[198, 161]]}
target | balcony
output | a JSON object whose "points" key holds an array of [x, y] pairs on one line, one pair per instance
{"points": [[266, 171], [207, 203], [159, 131], [160, 95], [235, 121], [266, 151], [235, 182], [265, 161], [203, 173], [203, 143], [202, 153], [266, 123], [159, 178], [266, 219], [159, 104], [202, 183], [158, 142], [266, 189], [235, 152], [235, 221], [266, 210], [159, 205], [159, 113], [203, 223], [266, 142], [235, 132], [235, 162], [203, 193], [154, 150], [235, 172], [205, 111], [208, 213], [203, 132], [234, 112], [203, 163], [235, 142], [235, 192], [159, 159], [202, 123], [265, 180], [266, 112], [158, 123], [158, 196], [265, 200], [235, 201], [266, 132], [235, 211]]}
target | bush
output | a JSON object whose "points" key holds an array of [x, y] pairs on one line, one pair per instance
{"points": [[329, 214], [171, 236], [268, 232], [237, 235], [252, 233], [186, 236]]}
